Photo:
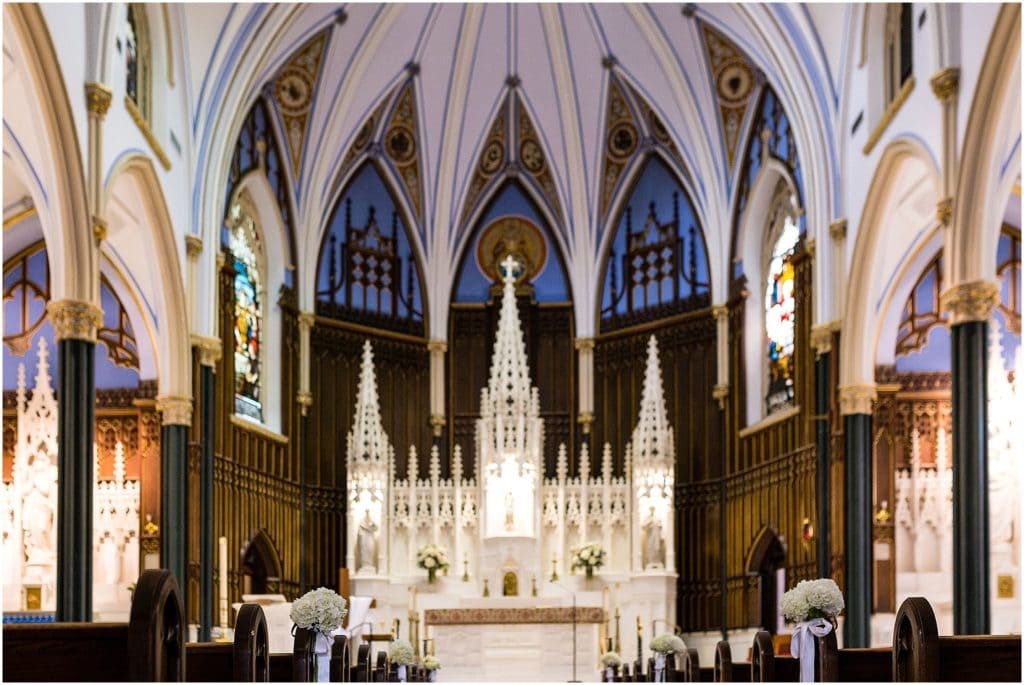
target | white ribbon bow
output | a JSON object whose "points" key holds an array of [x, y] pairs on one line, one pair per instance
{"points": [[402, 673], [659, 667], [802, 645], [322, 649]]}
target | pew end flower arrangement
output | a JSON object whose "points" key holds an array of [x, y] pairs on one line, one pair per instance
{"points": [[402, 656], [813, 605], [432, 558], [433, 665], [588, 557], [662, 646], [611, 662], [320, 611]]}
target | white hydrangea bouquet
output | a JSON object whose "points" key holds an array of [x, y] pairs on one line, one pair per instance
{"points": [[432, 558], [588, 557], [433, 665], [662, 646], [813, 605], [322, 612], [611, 662], [401, 655]]}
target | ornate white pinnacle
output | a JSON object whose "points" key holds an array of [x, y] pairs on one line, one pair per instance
{"points": [[367, 441], [508, 390], [652, 438]]}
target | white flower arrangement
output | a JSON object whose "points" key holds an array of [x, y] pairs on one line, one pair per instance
{"points": [[432, 558], [611, 660], [431, 663], [668, 643], [321, 610], [588, 557], [401, 653], [812, 599]]}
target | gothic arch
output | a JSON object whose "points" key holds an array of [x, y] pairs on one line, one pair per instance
{"points": [[135, 180], [259, 567], [47, 142]]}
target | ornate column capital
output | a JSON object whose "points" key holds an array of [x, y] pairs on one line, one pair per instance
{"points": [[837, 229], [437, 347], [720, 392], [972, 301], [946, 83], [437, 424], [210, 349], [74, 319], [175, 410], [99, 228], [306, 320], [304, 399], [856, 399], [97, 98], [584, 344], [944, 210], [821, 339], [720, 311], [585, 419], [193, 246]]}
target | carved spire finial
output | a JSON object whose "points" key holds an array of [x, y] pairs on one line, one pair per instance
{"points": [[652, 437], [367, 440]]}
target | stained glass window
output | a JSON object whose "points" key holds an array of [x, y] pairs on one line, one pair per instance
{"points": [[136, 58], [248, 314], [779, 317]]}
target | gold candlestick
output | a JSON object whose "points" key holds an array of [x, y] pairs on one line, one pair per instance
{"points": [[533, 587], [618, 632], [554, 570], [465, 572], [487, 590]]}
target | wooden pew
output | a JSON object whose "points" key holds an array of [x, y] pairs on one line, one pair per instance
{"points": [[726, 671], [362, 672], [850, 665], [382, 670], [690, 666], [150, 647], [920, 654], [765, 667], [247, 660]]}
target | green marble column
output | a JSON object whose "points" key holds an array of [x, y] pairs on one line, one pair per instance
{"points": [[823, 482], [206, 538], [76, 408], [177, 413], [970, 479], [857, 547]]}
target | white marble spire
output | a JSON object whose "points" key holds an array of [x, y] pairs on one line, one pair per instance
{"points": [[367, 441], [652, 438]]}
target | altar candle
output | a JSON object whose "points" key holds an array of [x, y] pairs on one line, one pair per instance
{"points": [[223, 549]]}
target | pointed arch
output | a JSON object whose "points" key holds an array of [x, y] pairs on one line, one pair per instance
{"points": [[134, 181], [678, 247], [369, 271]]}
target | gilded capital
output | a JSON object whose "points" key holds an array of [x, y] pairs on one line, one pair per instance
{"points": [[821, 339], [720, 392], [972, 301], [720, 311], [99, 228], [74, 320], [944, 210], [584, 343], [193, 246], [97, 98], [209, 349], [175, 410], [306, 320], [585, 419], [856, 399], [437, 346], [946, 83], [437, 424], [837, 229], [304, 399]]}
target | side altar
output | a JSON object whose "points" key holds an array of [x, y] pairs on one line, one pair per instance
{"points": [[508, 530]]}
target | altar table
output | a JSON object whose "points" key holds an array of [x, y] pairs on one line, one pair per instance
{"points": [[524, 644]]}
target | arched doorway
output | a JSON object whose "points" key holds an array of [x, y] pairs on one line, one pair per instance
{"points": [[767, 562], [260, 569]]}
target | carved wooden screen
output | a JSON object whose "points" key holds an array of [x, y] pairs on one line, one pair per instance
{"points": [[368, 273], [660, 267]]}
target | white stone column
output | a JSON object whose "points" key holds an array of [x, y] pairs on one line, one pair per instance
{"points": [[721, 389], [945, 85]]}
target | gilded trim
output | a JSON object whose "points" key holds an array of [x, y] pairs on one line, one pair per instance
{"points": [[946, 83], [209, 349], [856, 399], [168, 42], [193, 246], [890, 113], [437, 346], [18, 217], [74, 319], [972, 301], [777, 417], [944, 210], [97, 98], [584, 344], [838, 229], [821, 339], [175, 410], [147, 133], [258, 429]]}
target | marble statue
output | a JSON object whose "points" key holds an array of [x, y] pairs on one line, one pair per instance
{"points": [[366, 544], [653, 543], [510, 504], [38, 517]]}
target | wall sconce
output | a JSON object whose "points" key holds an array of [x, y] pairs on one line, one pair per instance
{"points": [[807, 530]]}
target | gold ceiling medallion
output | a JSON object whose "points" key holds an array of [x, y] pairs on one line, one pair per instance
{"points": [[734, 84], [400, 145], [514, 236], [621, 141], [293, 92]]}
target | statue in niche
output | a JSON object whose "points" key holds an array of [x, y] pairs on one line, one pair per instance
{"points": [[510, 505], [366, 545], [38, 515], [653, 545], [510, 585], [1003, 506]]}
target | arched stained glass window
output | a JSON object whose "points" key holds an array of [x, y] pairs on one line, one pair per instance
{"points": [[248, 287], [779, 316], [136, 58]]}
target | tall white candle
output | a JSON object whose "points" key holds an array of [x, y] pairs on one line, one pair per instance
{"points": [[223, 549]]}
